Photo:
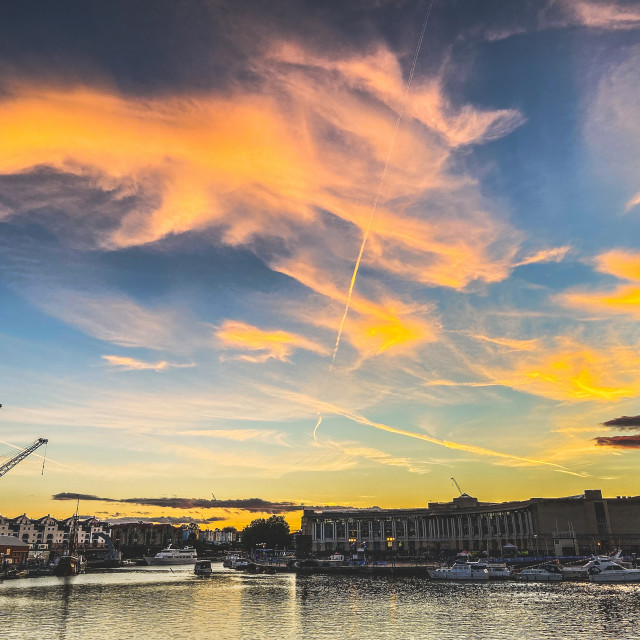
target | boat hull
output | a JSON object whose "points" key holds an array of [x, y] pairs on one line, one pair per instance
{"points": [[154, 562], [552, 577], [615, 579], [68, 566], [456, 575]]}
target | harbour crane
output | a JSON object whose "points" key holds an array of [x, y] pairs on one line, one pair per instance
{"points": [[12, 462], [462, 494]]}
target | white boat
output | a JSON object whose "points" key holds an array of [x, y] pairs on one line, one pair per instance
{"points": [[460, 571], [545, 573], [497, 570], [170, 556], [609, 569]]}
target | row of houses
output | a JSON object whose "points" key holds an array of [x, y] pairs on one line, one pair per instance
{"points": [[53, 534]]}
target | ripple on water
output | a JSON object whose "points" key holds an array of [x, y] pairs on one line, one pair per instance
{"points": [[147, 603]]}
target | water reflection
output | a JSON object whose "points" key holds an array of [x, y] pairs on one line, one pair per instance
{"points": [[146, 603]]}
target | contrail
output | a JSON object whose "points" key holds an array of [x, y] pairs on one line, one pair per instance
{"points": [[470, 448], [374, 207], [327, 407]]}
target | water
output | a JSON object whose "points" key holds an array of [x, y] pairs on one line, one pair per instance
{"points": [[156, 602]]}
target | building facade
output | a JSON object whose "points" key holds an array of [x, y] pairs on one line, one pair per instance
{"points": [[53, 534], [575, 525], [146, 534], [12, 551], [228, 535]]}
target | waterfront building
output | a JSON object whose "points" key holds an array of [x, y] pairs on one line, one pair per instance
{"points": [[12, 550], [146, 534], [228, 535], [53, 534], [572, 525]]}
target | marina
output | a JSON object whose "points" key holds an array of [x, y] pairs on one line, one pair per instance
{"points": [[289, 606]]}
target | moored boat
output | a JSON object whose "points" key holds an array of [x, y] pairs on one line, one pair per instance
{"points": [[172, 556], [69, 565], [202, 568], [543, 573], [460, 571], [610, 570], [496, 570]]}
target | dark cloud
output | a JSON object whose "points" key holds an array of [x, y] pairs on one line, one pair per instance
{"points": [[82, 209], [164, 520], [621, 442], [253, 505], [624, 422]]}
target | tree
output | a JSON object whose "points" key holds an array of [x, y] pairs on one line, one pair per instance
{"points": [[273, 533]]}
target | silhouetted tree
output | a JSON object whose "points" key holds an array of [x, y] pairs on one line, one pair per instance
{"points": [[273, 532]]}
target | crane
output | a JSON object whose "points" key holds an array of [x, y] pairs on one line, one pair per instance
{"points": [[458, 487], [12, 462]]}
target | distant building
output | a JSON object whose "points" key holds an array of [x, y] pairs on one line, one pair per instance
{"points": [[146, 534], [53, 534], [228, 535], [580, 524], [12, 550]]}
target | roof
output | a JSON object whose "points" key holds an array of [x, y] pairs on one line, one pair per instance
{"points": [[12, 541]]}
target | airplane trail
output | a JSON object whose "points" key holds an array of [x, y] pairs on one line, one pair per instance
{"points": [[374, 207]]}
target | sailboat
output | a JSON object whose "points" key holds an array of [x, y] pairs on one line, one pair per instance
{"points": [[71, 563]]}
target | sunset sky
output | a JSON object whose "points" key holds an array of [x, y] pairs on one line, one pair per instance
{"points": [[184, 191]]}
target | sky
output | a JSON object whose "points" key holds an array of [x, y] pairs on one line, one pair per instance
{"points": [[186, 188]]}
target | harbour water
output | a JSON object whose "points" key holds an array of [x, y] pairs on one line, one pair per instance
{"points": [[158, 602]]}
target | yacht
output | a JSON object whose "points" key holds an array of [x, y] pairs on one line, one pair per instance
{"points": [[169, 556], [497, 570], [544, 573], [460, 571], [609, 569]]}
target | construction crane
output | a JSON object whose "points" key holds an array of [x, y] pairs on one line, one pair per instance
{"points": [[7, 466], [462, 494]]}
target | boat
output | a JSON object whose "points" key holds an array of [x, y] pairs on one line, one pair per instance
{"points": [[171, 556], [202, 568], [459, 571], [230, 560], [543, 573], [71, 563], [497, 570], [610, 569]]}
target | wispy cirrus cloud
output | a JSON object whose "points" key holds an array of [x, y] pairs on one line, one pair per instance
{"points": [[125, 363], [622, 299], [556, 254], [611, 16], [263, 345]]}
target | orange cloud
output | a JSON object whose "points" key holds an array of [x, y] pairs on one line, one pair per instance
{"points": [[623, 299], [374, 326], [265, 163], [576, 372], [263, 345]]}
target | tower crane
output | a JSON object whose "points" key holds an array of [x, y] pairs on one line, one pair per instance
{"points": [[12, 462]]}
